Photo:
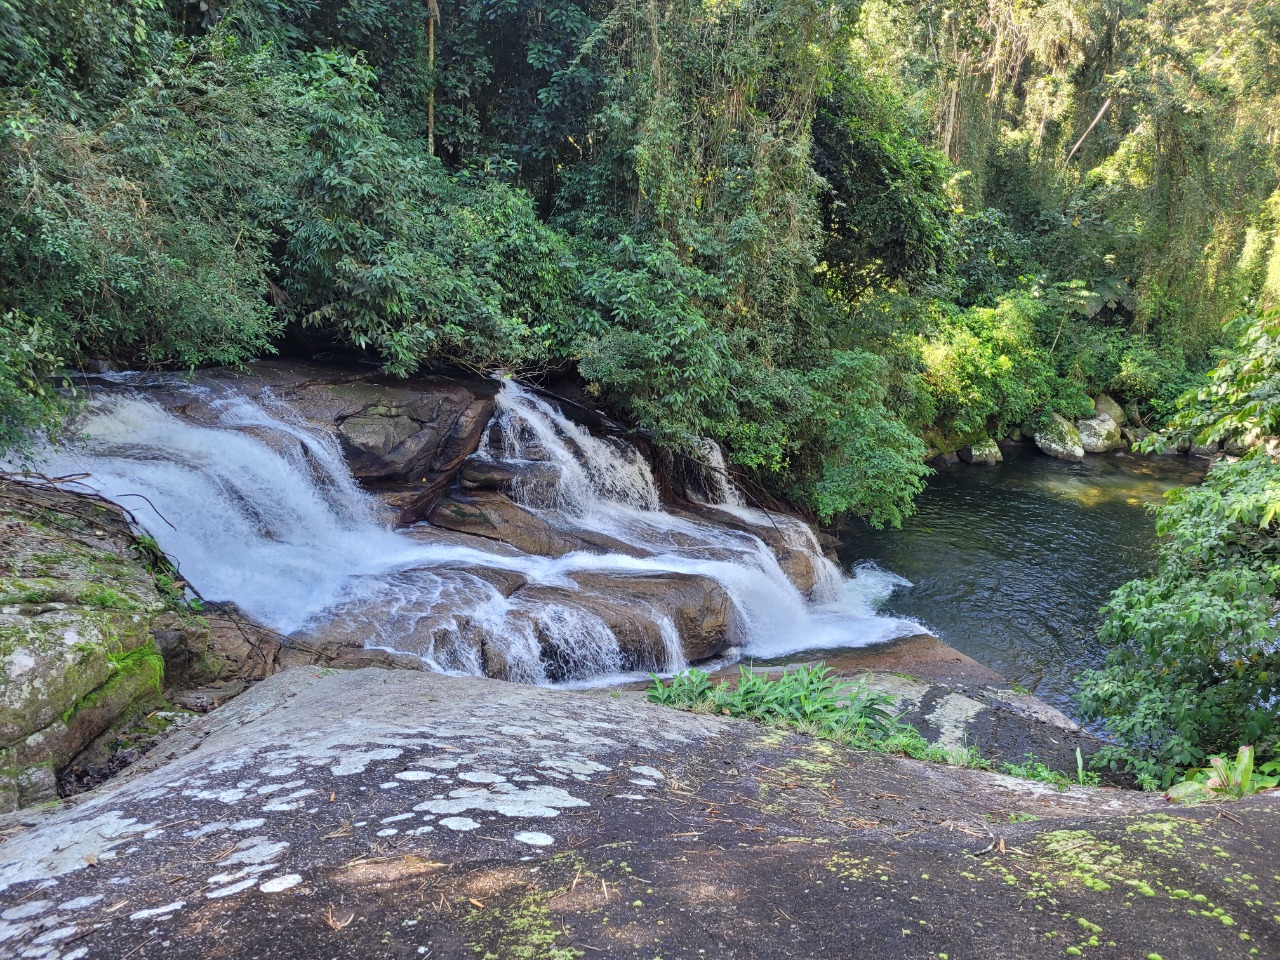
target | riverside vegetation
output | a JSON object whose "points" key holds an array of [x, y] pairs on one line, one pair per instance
{"points": [[832, 236]]}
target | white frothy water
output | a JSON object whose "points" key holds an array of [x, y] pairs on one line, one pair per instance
{"points": [[260, 509]]}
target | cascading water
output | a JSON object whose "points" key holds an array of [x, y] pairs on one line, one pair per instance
{"points": [[259, 509]]}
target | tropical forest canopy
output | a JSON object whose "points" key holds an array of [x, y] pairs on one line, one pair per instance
{"points": [[833, 236]]}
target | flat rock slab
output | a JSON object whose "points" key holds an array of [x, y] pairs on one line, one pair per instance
{"points": [[377, 813]]}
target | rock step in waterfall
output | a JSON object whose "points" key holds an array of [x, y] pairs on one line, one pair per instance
{"points": [[468, 523]]}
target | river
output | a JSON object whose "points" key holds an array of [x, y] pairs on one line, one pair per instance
{"points": [[1011, 564]]}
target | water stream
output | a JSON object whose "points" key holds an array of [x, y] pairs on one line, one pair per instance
{"points": [[259, 509], [1010, 564]]}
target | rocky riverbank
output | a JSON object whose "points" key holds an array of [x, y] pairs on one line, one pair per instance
{"points": [[402, 814]]}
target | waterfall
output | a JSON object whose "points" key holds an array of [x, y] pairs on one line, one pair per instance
{"points": [[259, 509]]}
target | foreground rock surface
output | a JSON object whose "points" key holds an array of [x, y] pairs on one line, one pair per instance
{"points": [[78, 615], [396, 814]]}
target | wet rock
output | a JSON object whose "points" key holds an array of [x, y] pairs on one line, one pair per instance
{"points": [[700, 608], [789, 538], [494, 516], [576, 631], [414, 432], [1059, 438], [984, 452], [1105, 404], [1099, 434], [532, 483], [1204, 450]]}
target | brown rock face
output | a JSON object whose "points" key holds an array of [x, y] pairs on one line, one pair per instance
{"points": [[699, 607], [488, 514], [533, 483], [410, 434]]}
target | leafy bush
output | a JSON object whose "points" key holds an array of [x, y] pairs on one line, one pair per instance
{"points": [[139, 241], [988, 370], [1195, 661], [30, 356]]}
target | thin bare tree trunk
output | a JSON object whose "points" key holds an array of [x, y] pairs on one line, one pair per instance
{"points": [[1105, 107]]}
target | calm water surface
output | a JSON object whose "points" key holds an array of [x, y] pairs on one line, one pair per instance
{"points": [[1011, 564]]}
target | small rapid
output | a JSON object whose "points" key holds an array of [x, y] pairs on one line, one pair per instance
{"points": [[259, 509]]}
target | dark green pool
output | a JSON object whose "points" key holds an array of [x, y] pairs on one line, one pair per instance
{"points": [[1010, 564]]}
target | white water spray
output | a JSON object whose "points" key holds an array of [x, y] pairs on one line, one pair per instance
{"points": [[259, 509]]}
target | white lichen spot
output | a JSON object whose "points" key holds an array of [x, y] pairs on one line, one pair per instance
{"points": [[255, 850], [651, 772], [535, 839], [415, 775], [158, 911], [573, 765], [507, 799], [459, 823], [277, 787], [19, 662], [79, 903], [388, 832], [32, 909], [481, 776], [234, 888], [358, 760], [439, 763], [280, 884], [53, 936]]}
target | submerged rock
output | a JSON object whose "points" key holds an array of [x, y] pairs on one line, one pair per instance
{"points": [[985, 452], [1059, 438], [1100, 434]]}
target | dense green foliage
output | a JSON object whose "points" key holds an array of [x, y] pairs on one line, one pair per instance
{"points": [[821, 233], [1195, 662], [832, 236]]}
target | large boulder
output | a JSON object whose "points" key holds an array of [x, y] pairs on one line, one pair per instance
{"points": [[1059, 438], [1099, 434], [77, 609], [1103, 403], [412, 434], [984, 452]]}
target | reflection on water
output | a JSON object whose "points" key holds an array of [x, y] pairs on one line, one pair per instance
{"points": [[1011, 564]]}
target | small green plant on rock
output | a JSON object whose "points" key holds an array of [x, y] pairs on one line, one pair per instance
{"points": [[1032, 769], [1227, 779], [810, 700], [811, 697]]}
